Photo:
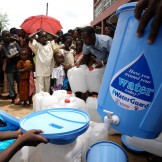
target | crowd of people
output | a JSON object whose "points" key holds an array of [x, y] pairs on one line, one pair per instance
{"points": [[49, 57], [18, 53]]}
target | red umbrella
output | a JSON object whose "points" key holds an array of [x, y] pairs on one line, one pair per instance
{"points": [[47, 23]]}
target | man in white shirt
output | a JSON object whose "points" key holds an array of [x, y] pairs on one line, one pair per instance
{"points": [[44, 51]]}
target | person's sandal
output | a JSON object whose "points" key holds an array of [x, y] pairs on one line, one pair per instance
{"points": [[17, 101]]}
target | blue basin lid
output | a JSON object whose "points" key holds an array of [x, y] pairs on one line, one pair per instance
{"points": [[9, 118], [126, 6], [57, 123]]}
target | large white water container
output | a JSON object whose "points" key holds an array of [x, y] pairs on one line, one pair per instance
{"points": [[62, 94], [96, 132], [94, 78], [49, 102], [72, 102], [59, 153], [91, 108], [153, 146], [21, 156], [37, 100], [77, 78]]}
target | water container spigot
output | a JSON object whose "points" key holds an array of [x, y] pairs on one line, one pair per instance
{"points": [[109, 119]]}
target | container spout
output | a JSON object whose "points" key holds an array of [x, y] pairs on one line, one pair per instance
{"points": [[110, 119]]}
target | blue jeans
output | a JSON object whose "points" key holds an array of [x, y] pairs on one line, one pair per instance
{"points": [[14, 76]]}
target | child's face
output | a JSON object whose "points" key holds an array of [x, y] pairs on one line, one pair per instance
{"points": [[23, 55], [43, 38], [6, 36], [59, 58], [79, 46], [68, 42]]}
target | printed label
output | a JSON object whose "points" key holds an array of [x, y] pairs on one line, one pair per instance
{"points": [[132, 87]]}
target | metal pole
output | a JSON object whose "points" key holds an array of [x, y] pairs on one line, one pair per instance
{"points": [[47, 9]]}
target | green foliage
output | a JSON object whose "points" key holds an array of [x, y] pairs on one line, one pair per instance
{"points": [[3, 21]]}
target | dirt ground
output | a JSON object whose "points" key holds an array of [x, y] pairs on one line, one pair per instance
{"points": [[16, 110]]}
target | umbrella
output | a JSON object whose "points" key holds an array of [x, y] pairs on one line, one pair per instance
{"points": [[47, 23]]}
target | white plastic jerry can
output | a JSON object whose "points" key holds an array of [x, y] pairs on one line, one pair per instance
{"points": [[62, 94], [91, 108], [49, 102], [59, 153], [37, 100], [72, 102], [77, 79], [94, 78]]}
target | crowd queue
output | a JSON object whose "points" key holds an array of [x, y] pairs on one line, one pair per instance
{"points": [[40, 61]]}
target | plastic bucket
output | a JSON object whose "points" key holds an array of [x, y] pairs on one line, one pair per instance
{"points": [[106, 151], [132, 83]]}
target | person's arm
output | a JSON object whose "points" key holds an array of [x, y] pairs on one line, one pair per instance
{"points": [[30, 138], [82, 60], [100, 64], [26, 69], [31, 37], [144, 11], [9, 135]]}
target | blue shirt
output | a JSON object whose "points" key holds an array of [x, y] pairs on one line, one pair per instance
{"points": [[101, 48]]}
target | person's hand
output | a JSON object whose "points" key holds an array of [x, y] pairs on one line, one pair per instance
{"points": [[29, 68], [77, 64], [144, 11], [99, 64], [32, 138], [67, 66]]}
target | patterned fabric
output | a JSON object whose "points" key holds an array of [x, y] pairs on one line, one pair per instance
{"points": [[24, 89]]}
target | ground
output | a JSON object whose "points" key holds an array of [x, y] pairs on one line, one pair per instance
{"points": [[16, 110]]}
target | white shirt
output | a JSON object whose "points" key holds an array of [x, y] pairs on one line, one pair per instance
{"points": [[44, 57], [59, 74], [68, 56]]}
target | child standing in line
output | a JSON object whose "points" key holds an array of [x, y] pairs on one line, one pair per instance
{"points": [[79, 54], [44, 51], [68, 58], [58, 73], [67, 52], [24, 66]]}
